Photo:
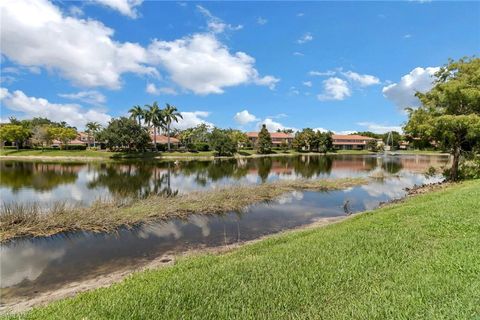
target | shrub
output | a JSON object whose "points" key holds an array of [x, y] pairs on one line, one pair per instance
{"points": [[76, 147], [202, 146]]}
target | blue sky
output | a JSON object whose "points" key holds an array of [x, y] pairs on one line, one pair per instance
{"points": [[342, 66]]}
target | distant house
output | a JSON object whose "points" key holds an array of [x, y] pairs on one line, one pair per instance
{"points": [[278, 138], [350, 141], [162, 139]]}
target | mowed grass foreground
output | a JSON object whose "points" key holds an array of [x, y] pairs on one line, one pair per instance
{"points": [[419, 259]]}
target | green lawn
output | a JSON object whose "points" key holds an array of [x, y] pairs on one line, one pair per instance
{"points": [[113, 155], [414, 260]]}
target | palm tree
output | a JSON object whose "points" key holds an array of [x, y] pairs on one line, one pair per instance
{"points": [[93, 128], [170, 114], [154, 116], [136, 112]]}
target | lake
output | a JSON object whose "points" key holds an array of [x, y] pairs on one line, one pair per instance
{"points": [[33, 266]]}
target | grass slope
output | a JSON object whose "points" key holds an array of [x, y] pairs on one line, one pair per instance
{"points": [[419, 259]]}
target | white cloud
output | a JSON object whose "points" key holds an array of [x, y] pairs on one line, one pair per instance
{"points": [[191, 119], [35, 33], [125, 7], [244, 117], [305, 38], [298, 54], [73, 114], [300, 14], [403, 93], [294, 91], [363, 80], [215, 24], [407, 36], [152, 89], [379, 128], [75, 11], [334, 89], [307, 84], [273, 126], [204, 65], [345, 132], [261, 21], [91, 97], [315, 73]]}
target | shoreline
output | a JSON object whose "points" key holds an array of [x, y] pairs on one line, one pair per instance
{"points": [[169, 259], [190, 157]]}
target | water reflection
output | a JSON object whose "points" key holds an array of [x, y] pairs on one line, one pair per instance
{"points": [[39, 265], [83, 183]]}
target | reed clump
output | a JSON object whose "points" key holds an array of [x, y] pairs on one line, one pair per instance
{"points": [[17, 220]]}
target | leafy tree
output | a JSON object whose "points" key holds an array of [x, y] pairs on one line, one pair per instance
{"points": [[64, 134], [325, 142], [136, 112], [239, 137], [92, 130], [14, 133], [222, 143], [42, 135], [370, 134], [285, 130], [155, 117], [371, 145], [450, 111], [264, 143], [170, 114], [125, 133]]}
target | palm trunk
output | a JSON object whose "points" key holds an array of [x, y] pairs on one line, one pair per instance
{"points": [[94, 142], [155, 137], [168, 135]]}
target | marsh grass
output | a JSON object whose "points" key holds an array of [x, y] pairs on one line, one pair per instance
{"points": [[17, 220]]}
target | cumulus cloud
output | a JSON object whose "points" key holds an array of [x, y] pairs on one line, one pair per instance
{"points": [[125, 7], [192, 119], [244, 117], [215, 24], [402, 93], [73, 114], [91, 97], [272, 125], [36, 33], [315, 73], [307, 84], [364, 80], [153, 89], [334, 89], [379, 128], [204, 65], [307, 37], [298, 54], [261, 21]]}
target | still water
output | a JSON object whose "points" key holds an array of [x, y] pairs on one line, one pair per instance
{"points": [[32, 266], [83, 183]]}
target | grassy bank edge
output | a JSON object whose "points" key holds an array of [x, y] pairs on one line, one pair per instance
{"points": [[26, 221], [278, 243], [88, 155]]}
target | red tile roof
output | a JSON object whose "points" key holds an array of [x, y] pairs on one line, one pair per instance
{"points": [[350, 137], [164, 139]]}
